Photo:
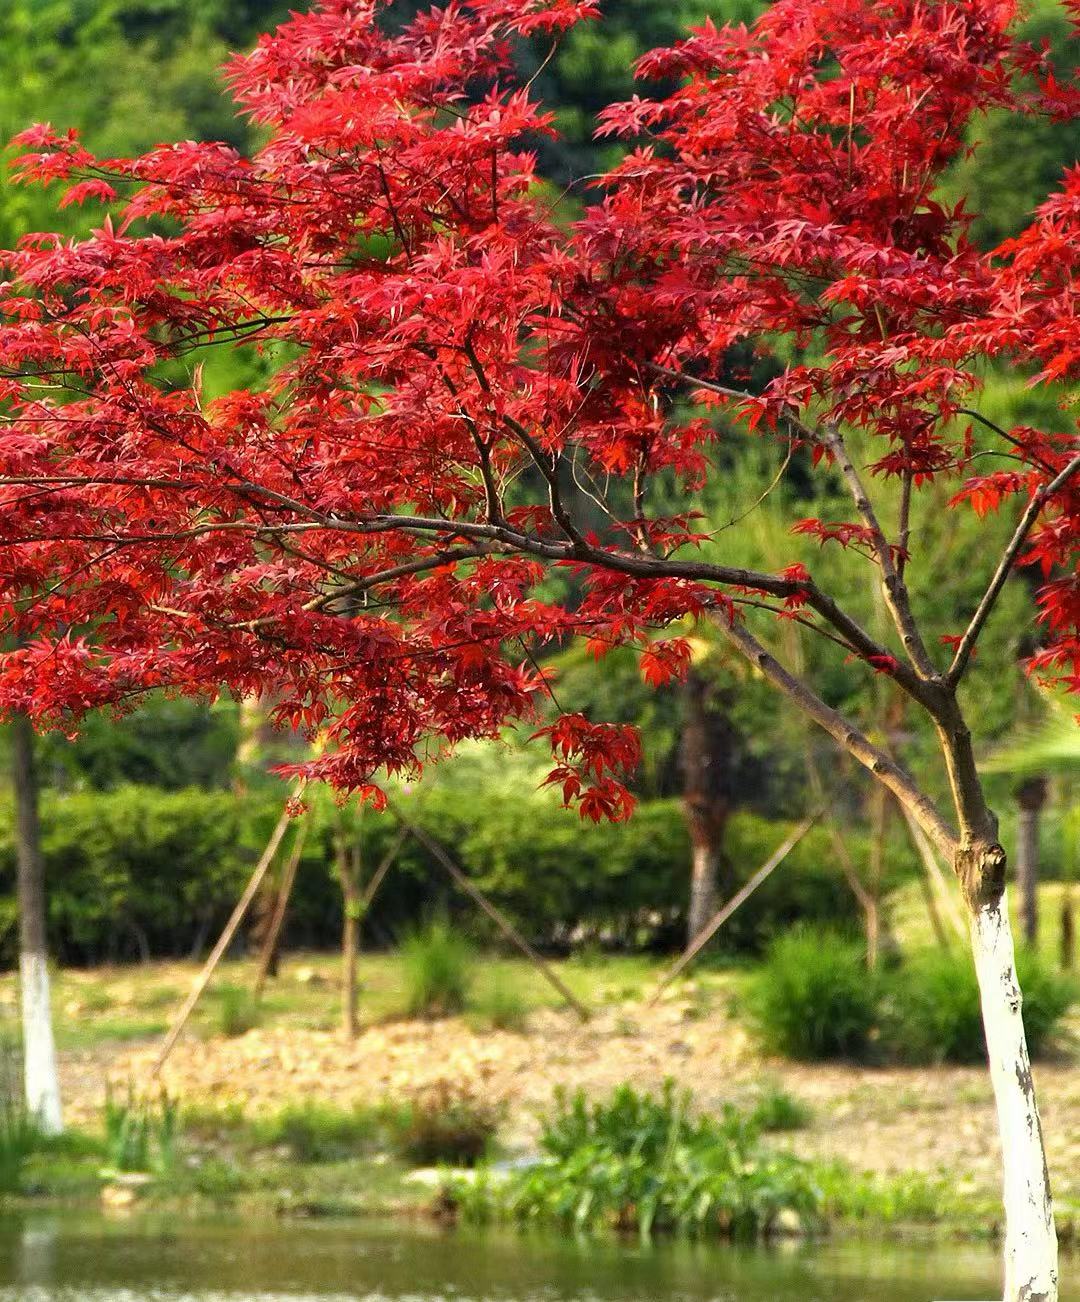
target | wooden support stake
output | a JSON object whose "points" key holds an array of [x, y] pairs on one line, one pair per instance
{"points": [[281, 907], [496, 915], [203, 979], [740, 897], [933, 871]]}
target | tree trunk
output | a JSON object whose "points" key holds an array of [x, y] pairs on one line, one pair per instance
{"points": [[1031, 797], [704, 872], [1068, 930], [42, 1079], [706, 757], [1030, 1238]]}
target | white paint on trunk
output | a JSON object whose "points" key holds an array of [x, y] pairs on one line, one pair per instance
{"points": [[40, 1074], [703, 874], [1030, 1239]]}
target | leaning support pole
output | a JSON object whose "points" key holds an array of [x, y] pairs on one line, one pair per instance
{"points": [[281, 907], [242, 905], [740, 897], [496, 915], [934, 873]]}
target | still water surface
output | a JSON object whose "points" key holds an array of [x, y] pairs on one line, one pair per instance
{"points": [[61, 1258]]}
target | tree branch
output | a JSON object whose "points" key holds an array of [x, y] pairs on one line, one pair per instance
{"points": [[1008, 560], [843, 731]]}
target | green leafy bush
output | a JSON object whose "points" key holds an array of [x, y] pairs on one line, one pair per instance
{"points": [[141, 1133], [137, 872], [444, 1124], [647, 1163], [314, 1132], [934, 1013], [813, 997], [437, 967], [235, 1011], [501, 1007], [776, 1110]]}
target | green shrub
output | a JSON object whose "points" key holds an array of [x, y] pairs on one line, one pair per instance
{"points": [[235, 1011], [437, 967], [934, 1013], [813, 997], [776, 1110], [444, 1124], [136, 871], [314, 1132], [910, 1197], [646, 1163], [140, 1134], [502, 1007]]}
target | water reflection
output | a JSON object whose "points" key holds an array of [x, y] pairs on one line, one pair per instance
{"points": [[156, 1259]]}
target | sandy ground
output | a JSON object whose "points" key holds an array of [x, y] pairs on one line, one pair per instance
{"points": [[892, 1120]]}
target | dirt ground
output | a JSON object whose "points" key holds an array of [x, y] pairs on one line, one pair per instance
{"points": [[938, 1122]]}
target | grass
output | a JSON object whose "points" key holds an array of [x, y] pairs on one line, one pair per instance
{"points": [[439, 968], [314, 1133], [775, 1111], [115, 1005]]}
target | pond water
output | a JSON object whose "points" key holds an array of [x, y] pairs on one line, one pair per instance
{"points": [[63, 1258]]}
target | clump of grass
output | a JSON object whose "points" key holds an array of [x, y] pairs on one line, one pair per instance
{"points": [[19, 1134], [912, 1198], [502, 1007], [141, 1134], [813, 997], [445, 1124], [647, 1163], [437, 967], [934, 1014], [235, 1011], [314, 1132], [776, 1110]]}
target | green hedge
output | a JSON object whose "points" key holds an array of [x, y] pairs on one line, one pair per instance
{"points": [[140, 870]]}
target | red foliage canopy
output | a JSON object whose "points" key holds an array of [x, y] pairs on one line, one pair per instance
{"points": [[370, 536]]}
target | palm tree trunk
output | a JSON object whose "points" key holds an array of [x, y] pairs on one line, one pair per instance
{"points": [[40, 1072]]}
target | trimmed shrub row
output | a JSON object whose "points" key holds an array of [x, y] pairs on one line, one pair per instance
{"points": [[137, 871]]}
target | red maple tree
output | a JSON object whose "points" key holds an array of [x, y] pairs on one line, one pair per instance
{"points": [[480, 395]]}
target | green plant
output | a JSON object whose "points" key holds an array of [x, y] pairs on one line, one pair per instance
{"points": [[444, 1124], [19, 1135], [314, 1132], [647, 1163], [813, 997], [776, 1110], [911, 1197], [235, 1011], [141, 1133], [934, 1012], [502, 1007], [437, 965]]}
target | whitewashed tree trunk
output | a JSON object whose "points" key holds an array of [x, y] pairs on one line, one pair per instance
{"points": [[704, 871], [40, 1073], [1030, 1238]]}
